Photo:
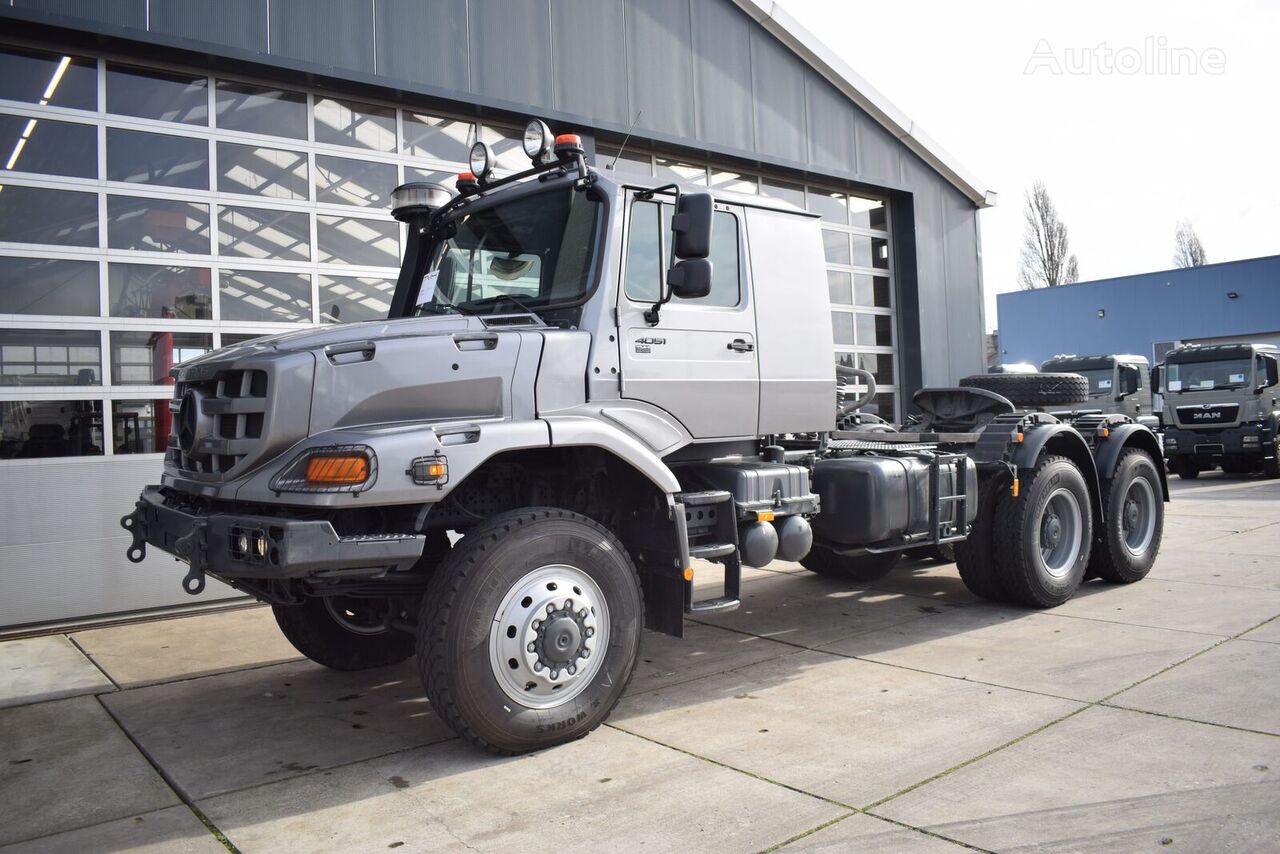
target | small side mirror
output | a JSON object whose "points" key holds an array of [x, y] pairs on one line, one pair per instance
{"points": [[1272, 372], [691, 226], [690, 278], [1155, 380], [1128, 380]]}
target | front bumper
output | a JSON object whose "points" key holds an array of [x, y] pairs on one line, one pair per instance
{"points": [[1217, 443], [279, 548]]}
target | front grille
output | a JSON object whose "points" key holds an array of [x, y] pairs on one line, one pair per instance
{"points": [[218, 421], [1213, 413]]}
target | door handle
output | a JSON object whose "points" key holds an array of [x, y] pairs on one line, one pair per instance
{"points": [[738, 345]]}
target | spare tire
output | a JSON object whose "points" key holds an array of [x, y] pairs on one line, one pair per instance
{"points": [[1033, 389]]}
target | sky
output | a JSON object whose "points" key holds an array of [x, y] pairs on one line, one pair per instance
{"points": [[1125, 146]]}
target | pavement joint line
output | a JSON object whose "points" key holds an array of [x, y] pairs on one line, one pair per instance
{"points": [[1108, 705], [1215, 584], [1139, 625], [170, 782], [248, 668], [809, 832], [752, 774], [926, 832], [93, 661]]}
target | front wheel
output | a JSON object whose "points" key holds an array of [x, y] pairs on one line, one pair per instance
{"points": [[1185, 468], [343, 633], [1134, 504], [863, 567], [1042, 535], [530, 630]]}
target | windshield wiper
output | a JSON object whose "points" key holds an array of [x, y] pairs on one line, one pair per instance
{"points": [[436, 308], [494, 300]]}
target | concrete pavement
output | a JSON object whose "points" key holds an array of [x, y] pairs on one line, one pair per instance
{"points": [[900, 716]]}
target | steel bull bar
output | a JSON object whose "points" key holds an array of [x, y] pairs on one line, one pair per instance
{"points": [[233, 545]]}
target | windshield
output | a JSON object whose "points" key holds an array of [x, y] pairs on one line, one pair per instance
{"points": [[529, 253], [1100, 380], [1205, 376]]}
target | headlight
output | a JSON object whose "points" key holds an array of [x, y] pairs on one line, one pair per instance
{"points": [[339, 468], [1251, 440], [481, 161], [537, 140]]}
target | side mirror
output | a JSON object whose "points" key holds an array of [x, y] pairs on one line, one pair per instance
{"points": [[1128, 380], [1155, 380], [690, 278], [691, 226], [1272, 372]]}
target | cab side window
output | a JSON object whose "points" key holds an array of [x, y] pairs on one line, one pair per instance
{"points": [[649, 256]]}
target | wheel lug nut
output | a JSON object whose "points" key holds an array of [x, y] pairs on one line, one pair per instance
{"points": [[551, 607], [586, 653], [532, 647], [583, 613], [537, 667], [572, 669], [555, 674], [590, 631]]}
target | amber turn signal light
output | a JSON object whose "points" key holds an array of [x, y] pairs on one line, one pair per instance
{"points": [[343, 469]]}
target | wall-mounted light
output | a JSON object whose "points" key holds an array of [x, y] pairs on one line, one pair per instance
{"points": [[1102, 312], [1232, 295]]}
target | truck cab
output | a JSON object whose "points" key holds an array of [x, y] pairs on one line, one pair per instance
{"points": [[1220, 408], [1117, 383]]}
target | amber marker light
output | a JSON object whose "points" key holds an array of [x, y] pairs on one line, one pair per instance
{"points": [[337, 470]]}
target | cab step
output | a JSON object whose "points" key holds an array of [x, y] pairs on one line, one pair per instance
{"points": [[710, 516]]}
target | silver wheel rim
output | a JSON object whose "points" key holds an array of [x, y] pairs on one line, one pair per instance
{"points": [[548, 636], [1060, 529], [1138, 517]]}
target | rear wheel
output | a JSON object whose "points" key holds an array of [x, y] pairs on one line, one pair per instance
{"points": [[530, 630], [863, 567], [344, 633], [1042, 536], [975, 555], [1134, 504], [1271, 467]]}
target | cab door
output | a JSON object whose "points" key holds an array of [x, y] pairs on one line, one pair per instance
{"points": [[699, 361]]}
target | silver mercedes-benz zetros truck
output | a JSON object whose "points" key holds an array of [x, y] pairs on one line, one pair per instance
{"points": [[587, 390]]}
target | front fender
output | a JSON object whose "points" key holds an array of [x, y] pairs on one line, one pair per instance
{"points": [[580, 430]]}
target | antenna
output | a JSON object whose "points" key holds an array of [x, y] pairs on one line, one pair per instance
{"points": [[623, 147]]}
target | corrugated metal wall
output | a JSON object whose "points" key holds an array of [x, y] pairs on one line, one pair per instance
{"points": [[700, 73]]}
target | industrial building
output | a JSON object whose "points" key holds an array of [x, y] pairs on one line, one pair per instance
{"points": [[177, 175], [1147, 314]]}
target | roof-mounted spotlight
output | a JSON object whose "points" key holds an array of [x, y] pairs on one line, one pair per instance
{"points": [[481, 161], [413, 200], [537, 141]]}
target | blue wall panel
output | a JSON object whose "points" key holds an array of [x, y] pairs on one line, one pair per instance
{"points": [[1141, 310]]}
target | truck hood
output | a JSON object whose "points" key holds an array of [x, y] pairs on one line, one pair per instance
{"points": [[325, 336]]}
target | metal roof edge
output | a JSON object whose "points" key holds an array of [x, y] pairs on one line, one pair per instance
{"points": [[779, 23]]}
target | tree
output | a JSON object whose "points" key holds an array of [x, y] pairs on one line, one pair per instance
{"points": [[1188, 250], [1046, 253]]}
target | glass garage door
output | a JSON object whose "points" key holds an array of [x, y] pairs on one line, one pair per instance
{"points": [[149, 215]]}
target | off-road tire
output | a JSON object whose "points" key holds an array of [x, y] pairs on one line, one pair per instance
{"points": [[1017, 535], [1111, 560], [976, 555], [863, 567], [462, 601], [1033, 389], [316, 634], [1271, 467]]}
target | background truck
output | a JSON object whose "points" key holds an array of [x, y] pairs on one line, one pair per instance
{"points": [[1117, 384], [1220, 409], [583, 387]]}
